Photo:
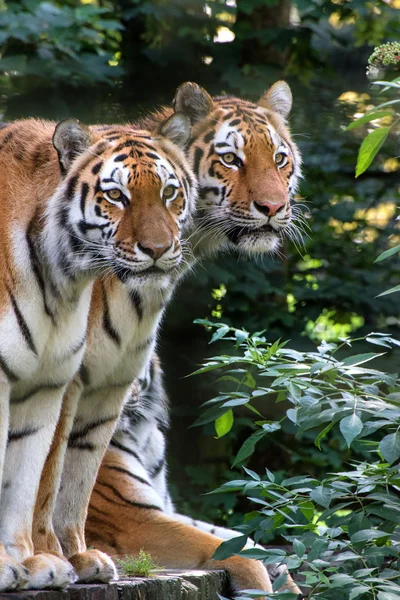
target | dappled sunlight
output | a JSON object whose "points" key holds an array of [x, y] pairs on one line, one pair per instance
{"points": [[327, 328], [377, 216]]}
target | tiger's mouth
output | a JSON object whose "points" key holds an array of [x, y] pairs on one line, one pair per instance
{"points": [[235, 234], [152, 273]]}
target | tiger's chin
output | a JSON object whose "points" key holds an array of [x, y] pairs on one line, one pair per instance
{"points": [[152, 277], [254, 241]]}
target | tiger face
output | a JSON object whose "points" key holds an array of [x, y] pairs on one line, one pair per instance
{"points": [[247, 166], [130, 195]]}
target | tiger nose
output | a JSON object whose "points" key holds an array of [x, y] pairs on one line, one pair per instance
{"points": [[269, 208], [155, 251]]}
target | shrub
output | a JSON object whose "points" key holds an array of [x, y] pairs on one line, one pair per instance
{"points": [[343, 528]]}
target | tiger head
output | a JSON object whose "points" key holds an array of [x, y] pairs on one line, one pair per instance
{"points": [[129, 195], [247, 166]]}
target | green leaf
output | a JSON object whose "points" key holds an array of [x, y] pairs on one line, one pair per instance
{"points": [[367, 118], [223, 424], [389, 447], [388, 253], [396, 288], [323, 434], [369, 148], [359, 359], [357, 591], [280, 581], [366, 535], [388, 596], [220, 333], [248, 446], [299, 548], [351, 427], [321, 496], [229, 547]]}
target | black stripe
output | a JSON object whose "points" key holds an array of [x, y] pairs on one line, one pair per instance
{"points": [[14, 436], [36, 390], [84, 374], [75, 439], [126, 472], [126, 500], [71, 187], [209, 136], [137, 303], [158, 468], [116, 444], [107, 325], [121, 157], [35, 263], [84, 193], [79, 445], [11, 376], [97, 168], [102, 512], [197, 158], [22, 323]]}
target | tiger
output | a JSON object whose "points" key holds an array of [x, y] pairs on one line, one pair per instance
{"points": [[76, 203], [247, 167]]}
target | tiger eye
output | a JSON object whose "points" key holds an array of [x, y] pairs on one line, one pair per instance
{"points": [[280, 158], [114, 194], [169, 192], [229, 158]]}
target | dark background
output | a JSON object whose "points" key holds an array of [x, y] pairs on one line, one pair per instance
{"points": [[110, 61]]}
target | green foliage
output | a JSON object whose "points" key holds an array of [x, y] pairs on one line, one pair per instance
{"points": [[54, 41], [343, 527], [374, 141], [138, 566]]}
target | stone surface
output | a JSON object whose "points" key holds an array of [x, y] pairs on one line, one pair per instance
{"points": [[167, 585]]}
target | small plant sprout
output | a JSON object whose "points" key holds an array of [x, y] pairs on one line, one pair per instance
{"points": [[138, 566]]}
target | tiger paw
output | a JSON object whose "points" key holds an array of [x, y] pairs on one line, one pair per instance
{"points": [[48, 571], [93, 566], [13, 574]]}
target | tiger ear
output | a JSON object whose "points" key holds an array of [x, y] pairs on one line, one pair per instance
{"points": [[278, 98], [177, 129], [70, 139], [193, 100]]}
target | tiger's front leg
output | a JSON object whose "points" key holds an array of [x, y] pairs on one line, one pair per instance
{"points": [[43, 535], [13, 574], [33, 420], [95, 421]]}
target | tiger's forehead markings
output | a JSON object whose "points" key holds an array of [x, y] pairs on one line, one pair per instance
{"points": [[165, 171], [115, 173], [245, 122], [229, 138]]}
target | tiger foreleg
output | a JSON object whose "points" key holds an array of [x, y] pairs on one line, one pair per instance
{"points": [[43, 535], [94, 424]]}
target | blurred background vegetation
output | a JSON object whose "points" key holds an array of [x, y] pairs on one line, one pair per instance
{"points": [[111, 60]]}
